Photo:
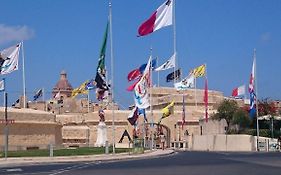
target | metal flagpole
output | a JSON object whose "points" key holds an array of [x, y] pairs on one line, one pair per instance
{"points": [[4, 91], [157, 58], [112, 75], [256, 91], [175, 42], [206, 107], [23, 77], [195, 92], [6, 126], [88, 101], [151, 110]]}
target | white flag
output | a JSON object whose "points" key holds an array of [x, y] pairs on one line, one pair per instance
{"points": [[2, 85], [186, 83], [9, 59], [168, 64], [141, 89]]}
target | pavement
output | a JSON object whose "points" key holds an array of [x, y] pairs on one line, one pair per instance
{"points": [[11, 162]]}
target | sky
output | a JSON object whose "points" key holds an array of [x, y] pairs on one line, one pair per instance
{"points": [[67, 35]]}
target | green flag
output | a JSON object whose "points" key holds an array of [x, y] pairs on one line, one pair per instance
{"points": [[101, 65]]}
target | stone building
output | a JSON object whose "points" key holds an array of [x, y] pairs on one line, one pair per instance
{"points": [[74, 121], [63, 87]]}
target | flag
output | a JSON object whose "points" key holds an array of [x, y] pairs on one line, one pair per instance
{"points": [[133, 116], [186, 83], [134, 74], [142, 67], [80, 90], [101, 82], [2, 85], [206, 99], [9, 59], [168, 64], [101, 94], [183, 112], [130, 88], [16, 102], [57, 96], [91, 84], [137, 73], [162, 17], [253, 109], [101, 72], [101, 62], [252, 77], [238, 91], [252, 90], [142, 112], [199, 71], [141, 89], [168, 110], [38, 94], [174, 75]]}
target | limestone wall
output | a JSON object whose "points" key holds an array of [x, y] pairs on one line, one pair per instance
{"points": [[223, 143], [31, 128]]}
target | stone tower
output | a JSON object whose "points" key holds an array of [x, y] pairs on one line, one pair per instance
{"points": [[63, 86]]}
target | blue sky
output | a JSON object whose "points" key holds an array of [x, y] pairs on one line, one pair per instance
{"points": [[67, 35]]}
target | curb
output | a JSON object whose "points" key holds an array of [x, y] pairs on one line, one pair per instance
{"points": [[12, 162]]}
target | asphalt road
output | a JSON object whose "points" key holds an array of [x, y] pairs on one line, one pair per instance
{"points": [[182, 163]]}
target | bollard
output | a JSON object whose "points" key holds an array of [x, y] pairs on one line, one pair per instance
{"points": [[51, 150], [106, 147]]}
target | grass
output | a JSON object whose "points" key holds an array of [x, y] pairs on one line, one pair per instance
{"points": [[64, 152]]}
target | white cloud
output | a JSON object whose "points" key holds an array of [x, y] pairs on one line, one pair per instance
{"points": [[14, 33]]}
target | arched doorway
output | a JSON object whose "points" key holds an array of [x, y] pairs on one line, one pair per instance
{"points": [[151, 131]]}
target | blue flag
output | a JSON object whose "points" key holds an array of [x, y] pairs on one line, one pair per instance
{"points": [[38, 94]]}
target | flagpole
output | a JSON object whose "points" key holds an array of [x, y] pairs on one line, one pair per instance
{"points": [[112, 75], [157, 58], [4, 91], [174, 34], [256, 91], [23, 76], [88, 101], [151, 110], [206, 106], [195, 91]]}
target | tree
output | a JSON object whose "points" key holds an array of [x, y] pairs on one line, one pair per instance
{"points": [[226, 110], [266, 106], [241, 119]]}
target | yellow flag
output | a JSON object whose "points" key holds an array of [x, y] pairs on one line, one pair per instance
{"points": [[199, 71], [168, 110], [80, 90]]}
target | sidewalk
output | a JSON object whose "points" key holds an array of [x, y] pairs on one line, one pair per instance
{"points": [[10, 162]]}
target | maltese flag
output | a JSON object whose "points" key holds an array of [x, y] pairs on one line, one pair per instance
{"points": [[238, 91], [162, 17]]}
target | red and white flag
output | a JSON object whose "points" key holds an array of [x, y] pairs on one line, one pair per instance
{"points": [[162, 17], [238, 91], [252, 77]]}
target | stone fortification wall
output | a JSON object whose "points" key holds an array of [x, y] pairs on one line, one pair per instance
{"points": [[31, 129]]}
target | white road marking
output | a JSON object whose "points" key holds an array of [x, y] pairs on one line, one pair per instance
{"points": [[14, 170]]}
